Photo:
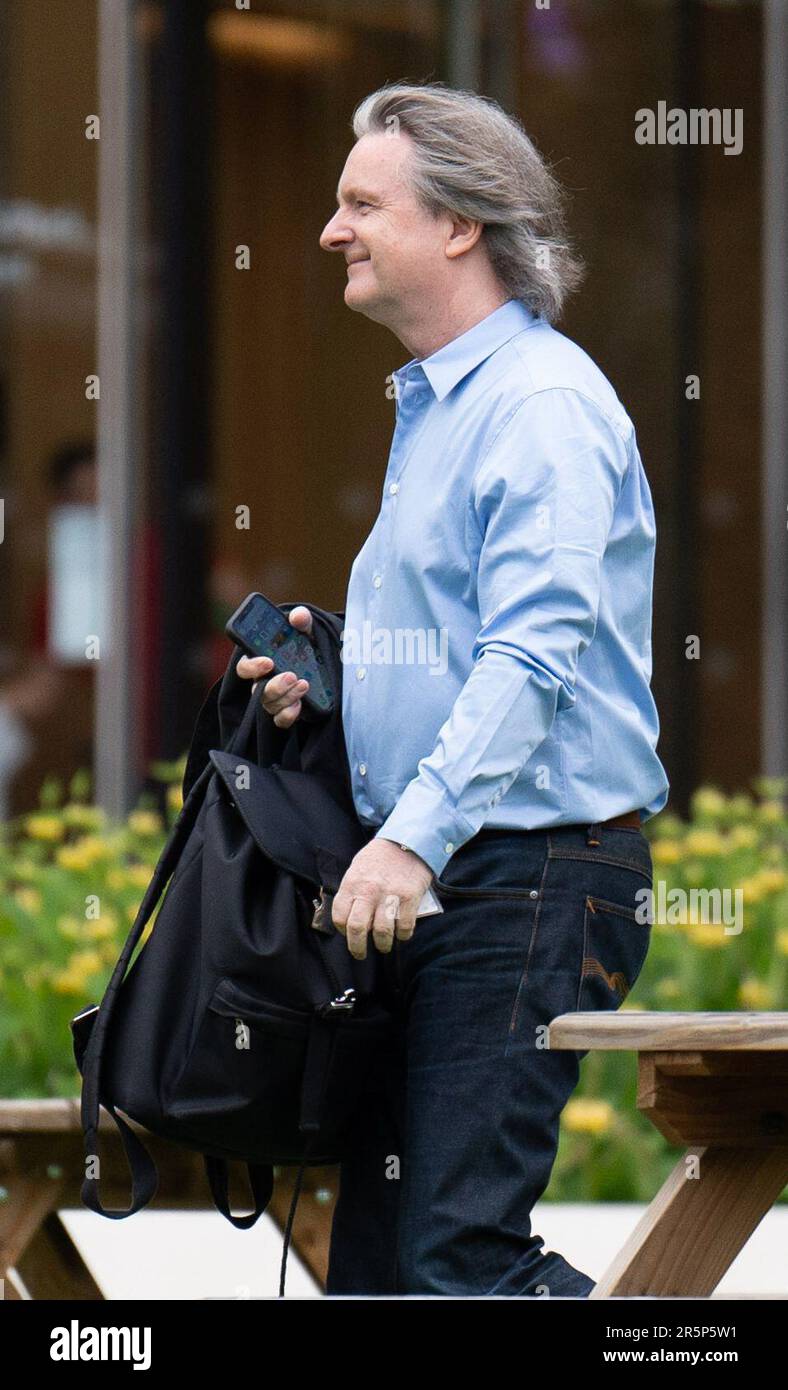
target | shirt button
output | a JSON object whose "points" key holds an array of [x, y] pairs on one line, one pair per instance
{"points": [[377, 581], [394, 488], [534, 893], [362, 767], [448, 847], [360, 673]]}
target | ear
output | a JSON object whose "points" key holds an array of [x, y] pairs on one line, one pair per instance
{"points": [[464, 232]]}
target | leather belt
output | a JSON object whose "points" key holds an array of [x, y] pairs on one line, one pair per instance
{"points": [[627, 818]]}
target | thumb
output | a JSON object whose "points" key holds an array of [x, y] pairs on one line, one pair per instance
{"points": [[301, 618]]}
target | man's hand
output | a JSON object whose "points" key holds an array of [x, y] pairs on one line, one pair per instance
{"points": [[281, 696], [380, 892]]}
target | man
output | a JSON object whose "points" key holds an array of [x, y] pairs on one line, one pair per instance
{"points": [[512, 774]]}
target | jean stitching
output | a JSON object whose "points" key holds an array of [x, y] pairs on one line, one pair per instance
{"points": [[605, 903], [584, 974], [481, 892], [590, 858], [579, 994], [534, 930]]}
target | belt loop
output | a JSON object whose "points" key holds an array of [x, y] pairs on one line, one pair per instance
{"points": [[594, 833]]}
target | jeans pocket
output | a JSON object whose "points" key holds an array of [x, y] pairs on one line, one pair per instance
{"points": [[615, 946]]}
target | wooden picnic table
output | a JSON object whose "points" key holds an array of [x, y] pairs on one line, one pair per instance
{"points": [[41, 1170], [718, 1084]]}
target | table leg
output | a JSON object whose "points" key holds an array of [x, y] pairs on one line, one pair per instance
{"points": [[700, 1219]]}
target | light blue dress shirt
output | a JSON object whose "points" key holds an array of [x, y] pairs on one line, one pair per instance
{"points": [[497, 631]]}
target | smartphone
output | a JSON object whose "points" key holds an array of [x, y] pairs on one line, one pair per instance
{"points": [[262, 629], [429, 905]]}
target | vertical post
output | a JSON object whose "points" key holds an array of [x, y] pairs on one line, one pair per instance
{"points": [[505, 53], [463, 51], [686, 612], [115, 729], [774, 419], [182, 405]]}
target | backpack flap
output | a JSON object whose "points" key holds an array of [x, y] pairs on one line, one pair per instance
{"points": [[289, 814]]}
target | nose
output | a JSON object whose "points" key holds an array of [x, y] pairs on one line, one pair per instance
{"points": [[334, 236]]}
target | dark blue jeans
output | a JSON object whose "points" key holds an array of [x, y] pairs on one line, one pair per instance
{"points": [[457, 1139]]}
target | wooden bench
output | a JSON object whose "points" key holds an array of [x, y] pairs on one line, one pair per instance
{"points": [[717, 1083], [41, 1168]]}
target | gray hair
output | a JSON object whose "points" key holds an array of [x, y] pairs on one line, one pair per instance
{"points": [[473, 159]]}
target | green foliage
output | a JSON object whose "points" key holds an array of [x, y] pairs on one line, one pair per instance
{"points": [[608, 1150], [71, 885]]}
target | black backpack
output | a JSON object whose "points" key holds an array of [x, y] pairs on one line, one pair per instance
{"points": [[241, 1030]]}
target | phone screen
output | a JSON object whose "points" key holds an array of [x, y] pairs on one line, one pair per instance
{"points": [[263, 627], [263, 630]]}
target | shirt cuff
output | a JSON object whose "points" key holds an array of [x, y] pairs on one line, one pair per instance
{"points": [[424, 821]]}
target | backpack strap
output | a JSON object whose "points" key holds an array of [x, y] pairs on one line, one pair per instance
{"points": [[144, 1176], [291, 1213], [261, 1181]]}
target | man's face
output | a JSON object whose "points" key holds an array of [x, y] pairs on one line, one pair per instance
{"points": [[394, 249]]}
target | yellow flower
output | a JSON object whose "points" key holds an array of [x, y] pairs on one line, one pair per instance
{"points": [[83, 854], [175, 797], [666, 851], [752, 889], [741, 807], [668, 989], [89, 961], [68, 982], [139, 875], [707, 801], [770, 812], [69, 857], [94, 847], [754, 994], [743, 837], [144, 822], [70, 927], [704, 842], [706, 934], [28, 898], [586, 1116], [117, 879], [40, 826], [772, 880], [102, 928]]}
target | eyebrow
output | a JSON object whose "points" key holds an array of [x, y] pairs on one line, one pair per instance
{"points": [[362, 193]]}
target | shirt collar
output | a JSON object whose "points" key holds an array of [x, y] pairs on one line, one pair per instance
{"points": [[444, 368]]}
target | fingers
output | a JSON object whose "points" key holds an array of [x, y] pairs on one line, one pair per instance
{"points": [[281, 694], [301, 618], [353, 922], [253, 666], [385, 922], [282, 698]]}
